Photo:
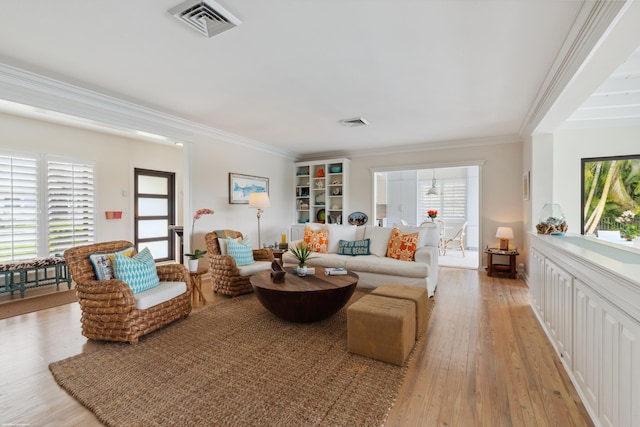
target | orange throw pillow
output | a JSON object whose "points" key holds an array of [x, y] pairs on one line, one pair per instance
{"points": [[317, 240], [402, 246]]}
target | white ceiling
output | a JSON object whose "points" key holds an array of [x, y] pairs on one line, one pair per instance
{"points": [[423, 73], [616, 102]]}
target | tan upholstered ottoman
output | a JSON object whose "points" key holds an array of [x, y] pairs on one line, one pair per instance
{"points": [[419, 297], [381, 328]]}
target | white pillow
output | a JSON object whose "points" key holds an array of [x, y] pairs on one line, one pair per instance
{"points": [[339, 232], [379, 237], [223, 245]]}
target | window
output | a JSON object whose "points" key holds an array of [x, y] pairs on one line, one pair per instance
{"points": [[451, 204], [65, 190], [18, 208], [154, 212], [71, 205]]}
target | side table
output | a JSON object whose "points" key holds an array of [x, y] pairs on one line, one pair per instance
{"points": [[503, 268], [196, 278]]}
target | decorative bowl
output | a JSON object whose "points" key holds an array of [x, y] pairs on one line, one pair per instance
{"points": [[335, 169]]}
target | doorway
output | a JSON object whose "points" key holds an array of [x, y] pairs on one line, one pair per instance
{"points": [[154, 207], [404, 196]]}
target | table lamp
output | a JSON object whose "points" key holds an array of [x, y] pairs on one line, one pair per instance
{"points": [[259, 201], [504, 234]]}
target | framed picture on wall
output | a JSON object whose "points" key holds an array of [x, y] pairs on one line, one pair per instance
{"points": [[526, 185], [240, 186]]}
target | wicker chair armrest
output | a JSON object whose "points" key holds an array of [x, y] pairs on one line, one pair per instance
{"points": [[105, 294], [262, 255], [174, 273], [223, 263]]}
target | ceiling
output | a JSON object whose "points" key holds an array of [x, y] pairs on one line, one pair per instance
{"points": [[616, 102], [422, 73]]}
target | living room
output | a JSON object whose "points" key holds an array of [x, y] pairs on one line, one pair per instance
{"points": [[207, 155]]}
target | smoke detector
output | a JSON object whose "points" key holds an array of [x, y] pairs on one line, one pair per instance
{"points": [[358, 121], [208, 18]]}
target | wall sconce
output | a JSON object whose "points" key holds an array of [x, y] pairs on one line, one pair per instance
{"points": [[259, 201], [504, 234]]}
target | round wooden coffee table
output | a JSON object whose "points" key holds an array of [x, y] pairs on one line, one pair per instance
{"points": [[304, 299]]}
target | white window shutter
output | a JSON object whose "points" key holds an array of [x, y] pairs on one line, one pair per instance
{"points": [[71, 205], [18, 208]]}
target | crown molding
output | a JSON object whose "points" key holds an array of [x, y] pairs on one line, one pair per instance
{"points": [[414, 148], [105, 113], [591, 24]]}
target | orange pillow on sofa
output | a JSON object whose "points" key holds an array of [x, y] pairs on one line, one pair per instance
{"points": [[317, 240], [402, 246]]}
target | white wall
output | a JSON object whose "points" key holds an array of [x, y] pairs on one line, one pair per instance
{"points": [[501, 182], [115, 158], [569, 146], [210, 164]]}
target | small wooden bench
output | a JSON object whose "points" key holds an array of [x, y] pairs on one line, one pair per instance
{"points": [[33, 273]]}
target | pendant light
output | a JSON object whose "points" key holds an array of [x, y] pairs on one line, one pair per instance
{"points": [[433, 191]]}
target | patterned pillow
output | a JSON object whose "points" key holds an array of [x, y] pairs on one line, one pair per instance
{"points": [[138, 272], [103, 262], [353, 247], [240, 251], [402, 246], [317, 240], [222, 244]]}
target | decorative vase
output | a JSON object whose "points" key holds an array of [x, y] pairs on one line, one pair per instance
{"points": [[193, 265], [302, 271]]}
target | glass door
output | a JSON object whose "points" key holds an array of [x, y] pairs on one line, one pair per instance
{"points": [[154, 212]]}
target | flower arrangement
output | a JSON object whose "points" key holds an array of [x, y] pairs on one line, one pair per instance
{"points": [[628, 223], [197, 253], [432, 214]]}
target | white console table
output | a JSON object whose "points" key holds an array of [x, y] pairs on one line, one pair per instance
{"points": [[586, 295]]}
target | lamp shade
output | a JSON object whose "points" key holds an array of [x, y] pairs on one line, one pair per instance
{"points": [[504, 233], [259, 200]]}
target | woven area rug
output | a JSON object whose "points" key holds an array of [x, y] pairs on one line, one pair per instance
{"points": [[29, 304], [234, 364]]}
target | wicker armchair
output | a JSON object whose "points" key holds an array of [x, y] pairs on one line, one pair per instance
{"points": [[108, 307], [225, 274]]}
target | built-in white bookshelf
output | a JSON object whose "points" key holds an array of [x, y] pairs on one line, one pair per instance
{"points": [[321, 193]]}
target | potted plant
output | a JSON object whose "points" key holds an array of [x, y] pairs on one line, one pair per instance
{"points": [[193, 259], [197, 253], [302, 253], [432, 214]]}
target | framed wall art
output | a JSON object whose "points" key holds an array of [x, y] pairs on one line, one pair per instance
{"points": [[240, 186]]}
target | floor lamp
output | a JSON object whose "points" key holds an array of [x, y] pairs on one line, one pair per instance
{"points": [[259, 201]]}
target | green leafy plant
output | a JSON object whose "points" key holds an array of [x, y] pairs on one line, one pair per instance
{"points": [[628, 224], [302, 253], [197, 254]]}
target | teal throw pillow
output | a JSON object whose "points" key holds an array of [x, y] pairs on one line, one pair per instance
{"points": [[240, 251], [354, 247], [138, 272]]}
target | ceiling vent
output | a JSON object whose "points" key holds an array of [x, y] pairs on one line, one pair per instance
{"points": [[208, 18], [358, 121]]}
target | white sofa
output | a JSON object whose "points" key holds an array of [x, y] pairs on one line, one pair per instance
{"points": [[377, 269]]}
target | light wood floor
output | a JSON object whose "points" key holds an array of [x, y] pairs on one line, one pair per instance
{"points": [[485, 362]]}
